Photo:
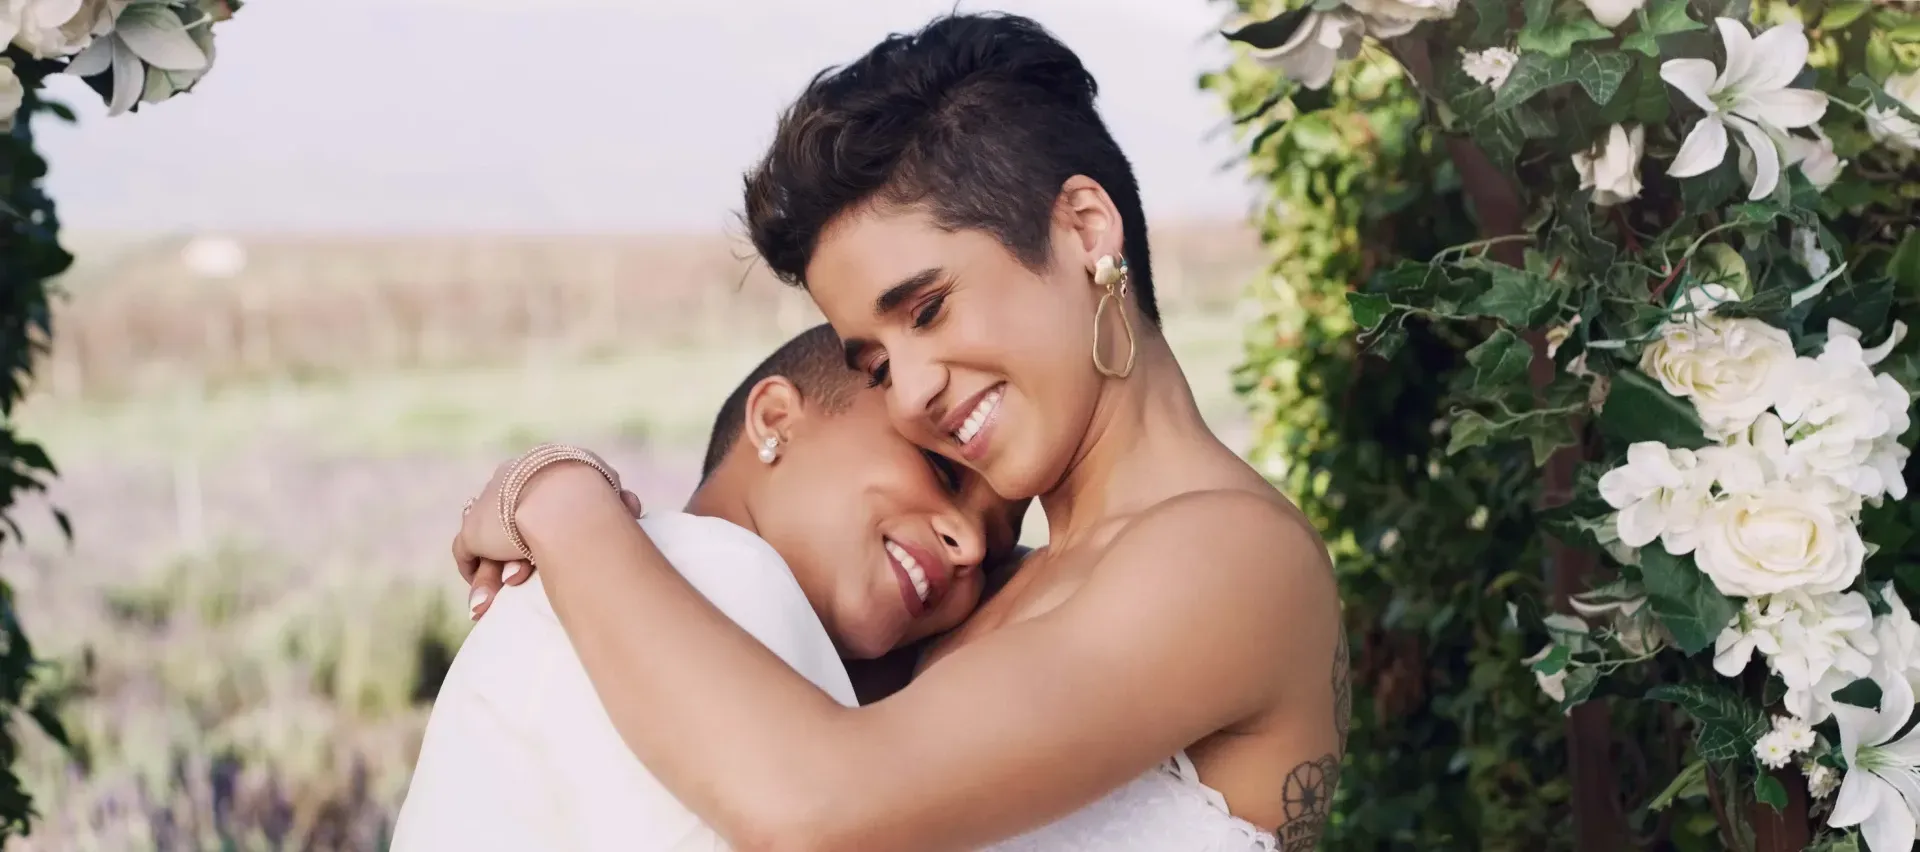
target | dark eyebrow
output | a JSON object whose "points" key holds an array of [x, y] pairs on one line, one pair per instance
{"points": [[886, 303]]}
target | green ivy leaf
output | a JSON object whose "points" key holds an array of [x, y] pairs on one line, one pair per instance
{"points": [[1600, 74], [1863, 692], [1555, 36], [1490, 21], [1665, 17], [1369, 309], [1545, 435], [1770, 792], [1270, 33], [1498, 361], [1555, 661], [1639, 409], [1514, 296], [1579, 685], [1470, 429], [1706, 192], [1729, 725], [1684, 599]]}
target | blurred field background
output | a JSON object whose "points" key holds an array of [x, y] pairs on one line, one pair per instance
{"points": [[262, 442]]}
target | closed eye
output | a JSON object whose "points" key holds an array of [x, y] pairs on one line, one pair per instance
{"points": [[929, 311], [877, 375]]}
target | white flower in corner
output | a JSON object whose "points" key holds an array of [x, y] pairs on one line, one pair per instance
{"points": [[1391, 18], [1660, 493], [12, 94], [1815, 157], [1613, 13], [1489, 67], [150, 52], [1888, 126], [1611, 168], [1309, 55], [1779, 539], [1881, 790], [1727, 367], [1750, 96], [38, 26]]}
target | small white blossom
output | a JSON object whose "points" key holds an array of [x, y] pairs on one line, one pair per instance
{"points": [[1821, 781], [1727, 367], [1888, 126], [1613, 13], [1796, 733], [1750, 95], [1611, 168], [1489, 67], [1772, 750]]}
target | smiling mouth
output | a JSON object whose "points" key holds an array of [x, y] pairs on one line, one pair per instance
{"points": [[916, 575], [980, 417]]}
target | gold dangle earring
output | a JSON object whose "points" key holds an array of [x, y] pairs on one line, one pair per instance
{"points": [[1111, 272]]}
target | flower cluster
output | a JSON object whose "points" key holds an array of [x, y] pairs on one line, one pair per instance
{"points": [[150, 49], [1327, 36]]}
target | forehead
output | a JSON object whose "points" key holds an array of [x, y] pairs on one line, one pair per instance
{"points": [[872, 249]]}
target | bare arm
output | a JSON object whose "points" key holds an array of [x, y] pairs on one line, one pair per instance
{"points": [[1184, 630]]}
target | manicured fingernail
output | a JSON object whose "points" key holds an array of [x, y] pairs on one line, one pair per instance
{"points": [[512, 570], [474, 600]]}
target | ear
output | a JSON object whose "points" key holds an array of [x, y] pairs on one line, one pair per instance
{"points": [[773, 410], [1085, 209]]}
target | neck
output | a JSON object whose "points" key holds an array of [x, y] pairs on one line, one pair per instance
{"points": [[1139, 445], [724, 495]]}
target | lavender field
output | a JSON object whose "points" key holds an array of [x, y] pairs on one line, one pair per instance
{"points": [[255, 608]]}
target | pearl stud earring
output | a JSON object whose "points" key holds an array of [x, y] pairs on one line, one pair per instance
{"points": [[770, 449]]}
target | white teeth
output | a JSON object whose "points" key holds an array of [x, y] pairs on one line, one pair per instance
{"points": [[914, 571], [978, 418]]}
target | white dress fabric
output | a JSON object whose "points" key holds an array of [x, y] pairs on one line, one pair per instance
{"points": [[1165, 810], [519, 755]]}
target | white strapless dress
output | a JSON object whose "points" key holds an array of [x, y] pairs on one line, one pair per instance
{"points": [[1165, 810]]}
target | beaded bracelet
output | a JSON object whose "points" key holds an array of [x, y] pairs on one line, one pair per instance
{"points": [[522, 472]]}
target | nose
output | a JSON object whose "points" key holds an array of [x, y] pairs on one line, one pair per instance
{"points": [[962, 541], [914, 391]]}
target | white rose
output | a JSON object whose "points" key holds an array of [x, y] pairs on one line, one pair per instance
{"points": [[1489, 67], [1660, 492], [1837, 413], [1391, 18], [1815, 157], [1611, 168], [1727, 367], [41, 25], [1310, 54], [1612, 13], [12, 93], [1887, 125], [1778, 539]]}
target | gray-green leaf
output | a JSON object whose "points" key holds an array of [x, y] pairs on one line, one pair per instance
{"points": [[1600, 74]]}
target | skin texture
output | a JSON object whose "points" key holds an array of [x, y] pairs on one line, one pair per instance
{"points": [[1182, 604]]}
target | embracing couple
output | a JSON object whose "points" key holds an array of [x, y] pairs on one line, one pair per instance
{"points": [[1169, 673]]}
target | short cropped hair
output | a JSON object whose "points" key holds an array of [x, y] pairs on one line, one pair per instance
{"points": [[978, 119], [816, 365]]}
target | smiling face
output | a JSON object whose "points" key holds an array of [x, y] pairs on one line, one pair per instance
{"points": [[885, 539], [984, 360]]}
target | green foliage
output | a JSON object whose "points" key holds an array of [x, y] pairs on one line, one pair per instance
{"points": [[1445, 350], [30, 256]]}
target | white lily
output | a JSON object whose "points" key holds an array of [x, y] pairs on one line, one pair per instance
{"points": [[1749, 95], [150, 52], [1881, 791], [1309, 55], [1888, 125], [1815, 157]]}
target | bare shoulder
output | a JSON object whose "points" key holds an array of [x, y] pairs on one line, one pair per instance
{"points": [[1235, 536]]}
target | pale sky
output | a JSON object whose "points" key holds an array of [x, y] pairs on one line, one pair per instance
{"points": [[571, 115]]}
